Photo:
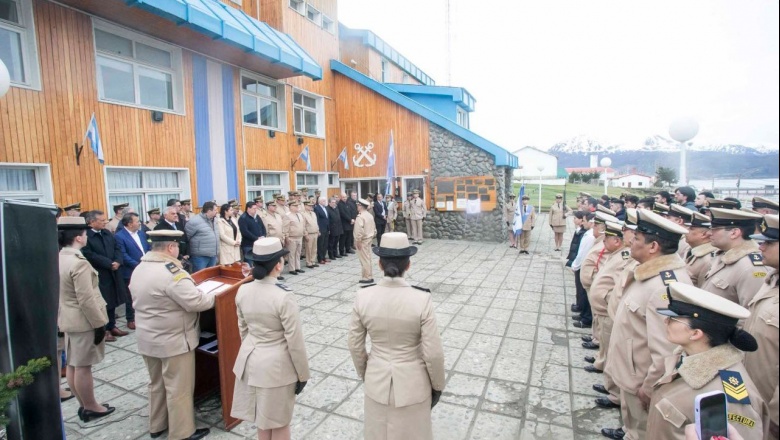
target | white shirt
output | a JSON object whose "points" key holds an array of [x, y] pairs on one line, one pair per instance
{"points": [[585, 245], [137, 240], [172, 224]]}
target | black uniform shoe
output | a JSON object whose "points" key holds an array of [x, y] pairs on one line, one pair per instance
{"points": [[199, 434], [600, 388], [369, 281], [616, 434], [280, 278], [586, 338], [603, 402], [580, 324], [590, 359], [575, 309], [300, 271], [293, 272], [589, 345], [592, 369], [157, 434], [576, 318]]}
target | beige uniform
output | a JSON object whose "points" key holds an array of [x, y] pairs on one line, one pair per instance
{"points": [[682, 248], [558, 212], [763, 363], [417, 213], [392, 215], [737, 274], [296, 229], [166, 304], [274, 226], [406, 360], [282, 209], [113, 224], [312, 230], [591, 263], [672, 406], [509, 215], [638, 345], [272, 357], [407, 211], [528, 225], [699, 260], [363, 232], [151, 224]]}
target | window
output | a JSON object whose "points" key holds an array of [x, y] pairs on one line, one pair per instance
{"points": [[299, 6], [17, 43], [328, 25], [262, 102], [414, 183], [31, 183], [146, 188], [265, 184], [384, 70], [313, 15], [308, 114], [307, 180], [333, 180], [135, 70], [463, 118]]}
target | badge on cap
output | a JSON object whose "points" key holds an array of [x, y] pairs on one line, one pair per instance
{"points": [[734, 387], [668, 277]]}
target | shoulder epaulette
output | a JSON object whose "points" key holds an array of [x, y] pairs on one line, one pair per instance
{"points": [[734, 387], [668, 277], [283, 287], [626, 255], [367, 285], [172, 268], [422, 288], [756, 258]]}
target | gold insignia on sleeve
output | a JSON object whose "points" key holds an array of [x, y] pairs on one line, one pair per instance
{"points": [[742, 420], [759, 274], [734, 387], [180, 276]]}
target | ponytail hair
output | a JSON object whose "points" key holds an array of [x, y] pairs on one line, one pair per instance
{"points": [[719, 334], [263, 268], [394, 266]]}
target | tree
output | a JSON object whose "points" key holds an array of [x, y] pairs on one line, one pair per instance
{"points": [[574, 177], [666, 175]]}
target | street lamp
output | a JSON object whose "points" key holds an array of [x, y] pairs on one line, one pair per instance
{"points": [[540, 167], [683, 130], [5, 79], [605, 162]]}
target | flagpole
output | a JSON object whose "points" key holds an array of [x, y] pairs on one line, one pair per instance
{"points": [[395, 170]]}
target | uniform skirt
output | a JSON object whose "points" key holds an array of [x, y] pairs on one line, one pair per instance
{"points": [[559, 229], [81, 349], [386, 422], [267, 408]]}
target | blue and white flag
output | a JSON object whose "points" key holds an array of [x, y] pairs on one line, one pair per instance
{"points": [[343, 157], [517, 224], [305, 156], [94, 138], [390, 165]]}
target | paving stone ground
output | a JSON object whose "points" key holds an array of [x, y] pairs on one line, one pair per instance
{"points": [[513, 359]]}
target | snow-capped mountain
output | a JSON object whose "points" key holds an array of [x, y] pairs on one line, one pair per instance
{"points": [[585, 144]]}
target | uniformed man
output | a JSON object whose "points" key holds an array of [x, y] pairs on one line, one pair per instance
{"points": [[721, 203], [639, 333], [154, 219], [281, 205], [407, 212], [509, 219], [763, 324], [594, 257], [261, 211], [186, 210], [72, 210], [392, 213], [166, 304], [699, 256], [529, 221], [370, 200], [296, 229], [274, 222], [679, 214], [761, 205], [558, 213], [364, 233], [312, 231], [418, 212], [737, 270], [117, 218]]}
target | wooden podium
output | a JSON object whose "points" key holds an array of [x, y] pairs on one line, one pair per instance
{"points": [[220, 340]]}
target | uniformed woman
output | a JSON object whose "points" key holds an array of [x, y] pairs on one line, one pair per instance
{"points": [[709, 358], [272, 366], [82, 317], [404, 373]]}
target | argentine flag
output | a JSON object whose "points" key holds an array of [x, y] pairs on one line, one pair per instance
{"points": [[390, 165], [305, 156], [94, 138], [517, 224], [343, 157]]}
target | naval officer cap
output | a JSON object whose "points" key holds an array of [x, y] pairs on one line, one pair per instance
{"points": [[614, 229], [758, 202], [395, 244], [650, 223], [682, 212], [733, 217], [259, 199], [185, 202], [689, 301], [119, 206], [699, 220], [631, 219], [153, 211], [165, 235], [267, 249], [722, 204], [661, 209], [72, 207], [603, 218], [72, 224], [363, 202], [605, 210], [769, 229]]}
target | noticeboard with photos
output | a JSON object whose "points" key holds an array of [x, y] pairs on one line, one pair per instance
{"points": [[471, 194]]}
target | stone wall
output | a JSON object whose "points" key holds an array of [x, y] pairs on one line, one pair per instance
{"points": [[452, 156]]}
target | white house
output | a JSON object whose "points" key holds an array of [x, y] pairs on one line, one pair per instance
{"points": [[530, 159], [632, 180]]}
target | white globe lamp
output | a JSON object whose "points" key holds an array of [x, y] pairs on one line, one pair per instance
{"points": [[683, 130], [605, 163], [5, 79]]}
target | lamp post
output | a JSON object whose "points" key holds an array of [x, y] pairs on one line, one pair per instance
{"points": [[683, 130], [605, 162], [5, 79], [540, 167]]}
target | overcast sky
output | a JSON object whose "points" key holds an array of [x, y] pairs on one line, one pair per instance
{"points": [[547, 70]]}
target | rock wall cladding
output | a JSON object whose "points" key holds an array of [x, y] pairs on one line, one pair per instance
{"points": [[452, 156]]}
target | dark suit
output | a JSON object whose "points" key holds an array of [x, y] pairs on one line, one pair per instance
{"points": [[335, 229], [346, 214], [131, 256], [251, 229], [102, 250], [324, 224], [380, 219], [165, 226]]}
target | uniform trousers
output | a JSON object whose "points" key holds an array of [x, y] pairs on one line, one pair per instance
{"points": [[605, 333], [310, 243], [295, 246], [634, 416], [417, 230], [171, 388], [408, 222], [364, 255], [390, 226], [595, 331], [525, 240]]}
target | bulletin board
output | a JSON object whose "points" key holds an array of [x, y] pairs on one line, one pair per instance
{"points": [[469, 194]]}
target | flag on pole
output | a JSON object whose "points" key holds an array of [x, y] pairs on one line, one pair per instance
{"points": [[94, 138], [390, 165], [305, 156], [517, 224], [343, 157]]}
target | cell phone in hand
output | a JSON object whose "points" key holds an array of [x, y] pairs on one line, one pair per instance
{"points": [[711, 415]]}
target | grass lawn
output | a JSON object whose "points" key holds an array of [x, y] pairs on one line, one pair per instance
{"points": [[572, 190]]}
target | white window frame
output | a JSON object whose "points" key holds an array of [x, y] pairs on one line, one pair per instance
{"points": [[336, 180], [462, 118], [383, 66], [314, 11], [280, 101], [381, 182], [320, 111], [404, 189], [328, 24], [176, 71], [31, 68], [43, 181], [282, 188], [183, 189], [300, 6]]}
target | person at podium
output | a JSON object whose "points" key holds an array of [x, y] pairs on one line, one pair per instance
{"points": [[167, 304], [272, 366]]}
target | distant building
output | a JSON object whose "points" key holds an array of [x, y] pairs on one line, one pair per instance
{"points": [[632, 180], [530, 158]]}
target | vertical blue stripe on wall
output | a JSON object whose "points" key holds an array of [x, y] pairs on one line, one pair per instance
{"points": [[201, 116], [228, 109]]}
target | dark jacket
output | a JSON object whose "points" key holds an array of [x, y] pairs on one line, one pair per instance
{"points": [[346, 215], [621, 215], [183, 245], [575, 246], [380, 209], [131, 255], [323, 220], [334, 221], [251, 229], [101, 251]]}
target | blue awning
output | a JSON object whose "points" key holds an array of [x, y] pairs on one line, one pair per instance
{"points": [[220, 21]]}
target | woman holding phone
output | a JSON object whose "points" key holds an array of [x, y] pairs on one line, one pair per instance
{"points": [[709, 358]]}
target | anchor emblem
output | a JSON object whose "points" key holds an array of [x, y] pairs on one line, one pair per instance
{"points": [[364, 153]]}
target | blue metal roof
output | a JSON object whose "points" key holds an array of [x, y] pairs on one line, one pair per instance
{"points": [[220, 21], [502, 156], [459, 95]]}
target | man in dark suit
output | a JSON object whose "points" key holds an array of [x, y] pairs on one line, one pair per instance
{"points": [[324, 224], [103, 253], [353, 212], [171, 222], [251, 227], [380, 217], [347, 224], [133, 244], [334, 228]]}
